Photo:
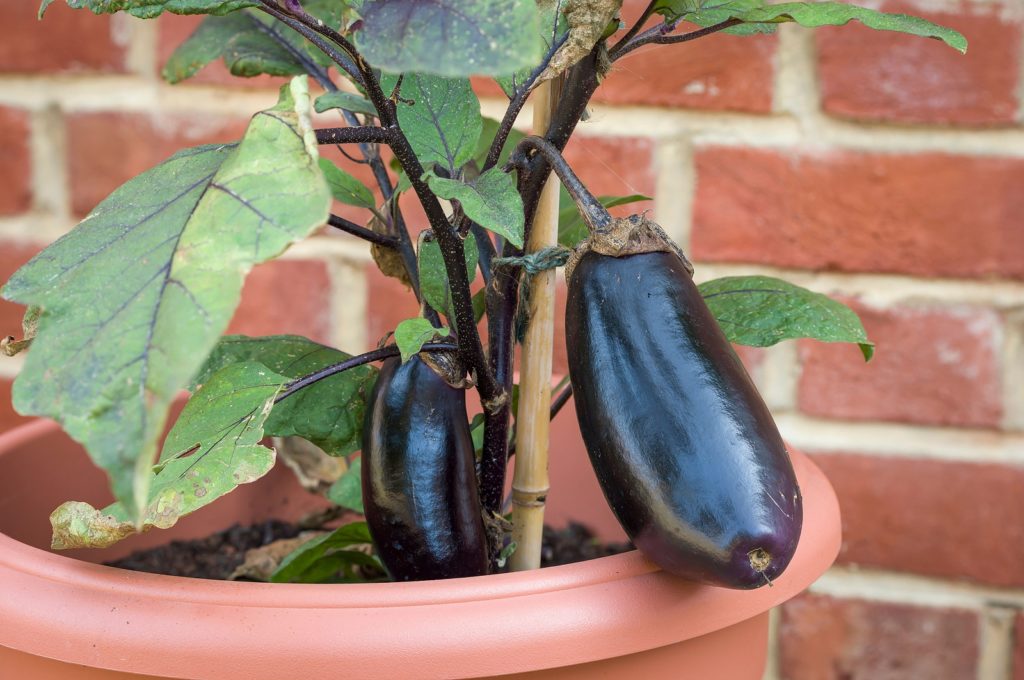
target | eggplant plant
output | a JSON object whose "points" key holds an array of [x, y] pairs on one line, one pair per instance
{"points": [[130, 307]]}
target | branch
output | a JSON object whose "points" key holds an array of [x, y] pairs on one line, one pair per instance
{"points": [[364, 134], [594, 214], [312, 35], [634, 29], [362, 232], [353, 362], [657, 35]]}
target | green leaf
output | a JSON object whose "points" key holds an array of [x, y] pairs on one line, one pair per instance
{"points": [[138, 294], [434, 276], [213, 448], [812, 14], [491, 200], [301, 564], [571, 228], [412, 334], [443, 124], [348, 490], [450, 37], [344, 100], [346, 188], [479, 301], [149, 9], [476, 431], [760, 311], [328, 413], [250, 43]]}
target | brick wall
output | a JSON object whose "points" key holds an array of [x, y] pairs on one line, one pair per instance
{"points": [[882, 169]]}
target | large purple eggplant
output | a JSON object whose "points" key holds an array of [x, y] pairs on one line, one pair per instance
{"points": [[685, 449], [419, 481]]}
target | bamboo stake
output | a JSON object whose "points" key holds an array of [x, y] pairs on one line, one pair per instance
{"points": [[530, 481]]}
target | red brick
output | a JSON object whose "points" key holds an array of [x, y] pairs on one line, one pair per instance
{"points": [[9, 418], [924, 214], [824, 638], [174, 30], [15, 162], [876, 75], [388, 303], [66, 40], [286, 296], [12, 256], [719, 72], [932, 366], [614, 166], [944, 519], [107, 149]]}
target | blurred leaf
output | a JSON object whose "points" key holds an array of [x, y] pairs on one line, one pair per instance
{"points": [[434, 276], [451, 37], [344, 100], [345, 188], [348, 490], [760, 311]]}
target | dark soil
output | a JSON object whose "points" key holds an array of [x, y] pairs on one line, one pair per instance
{"points": [[217, 556], [213, 557]]}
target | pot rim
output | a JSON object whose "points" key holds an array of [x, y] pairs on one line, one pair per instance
{"points": [[589, 610]]}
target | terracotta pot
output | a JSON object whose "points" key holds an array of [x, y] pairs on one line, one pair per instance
{"points": [[64, 616]]}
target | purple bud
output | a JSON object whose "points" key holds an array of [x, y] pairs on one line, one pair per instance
{"points": [[294, 6]]}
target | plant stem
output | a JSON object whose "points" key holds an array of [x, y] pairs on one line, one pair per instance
{"points": [[470, 347], [594, 214], [657, 35], [385, 352], [634, 29], [530, 484], [362, 232], [502, 294], [365, 134]]}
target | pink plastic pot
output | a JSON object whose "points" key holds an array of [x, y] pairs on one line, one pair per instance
{"points": [[63, 616]]}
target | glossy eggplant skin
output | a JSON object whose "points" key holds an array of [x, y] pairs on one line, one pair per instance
{"points": [[684, 447], [418, 476]]}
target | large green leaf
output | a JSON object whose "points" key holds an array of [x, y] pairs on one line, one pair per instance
{"points": [[449, 37], [760, 311], [213, 447], [148, 9], [443, 123], [490, 200], [760, 17], [434, 276], [250, 43], [328, 413], [571, 227], [138, 294], [305, 563]]}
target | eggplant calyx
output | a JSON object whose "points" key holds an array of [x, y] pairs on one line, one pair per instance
{"points": [[624, 236], [449, 367]]}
